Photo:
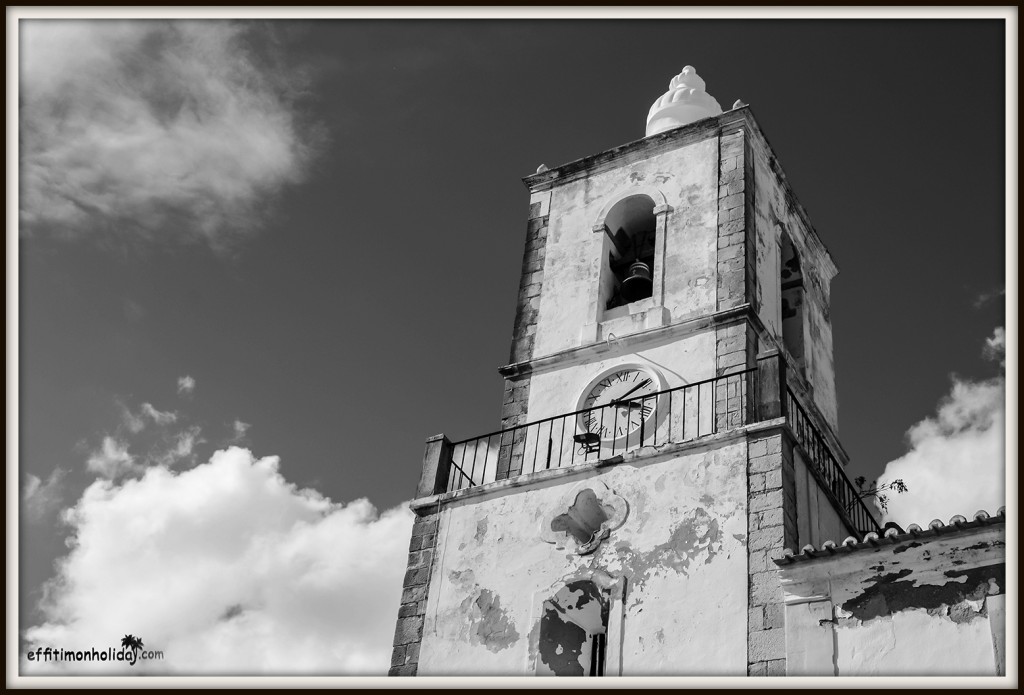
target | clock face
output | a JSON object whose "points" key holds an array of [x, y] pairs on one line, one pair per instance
{"points": [[619, 404]]}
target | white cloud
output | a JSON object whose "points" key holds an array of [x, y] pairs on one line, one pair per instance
{"points": [[995, 346], [240, 428], [132, 422], [957, 458], [228, 569], [160, 418], [154, 129], [112, 459], [986, 297], [40, 498], [186, 385], [180, 447]]}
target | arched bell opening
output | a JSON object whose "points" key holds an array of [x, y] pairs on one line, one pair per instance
{"points": [[632, 227], [792, 289]]}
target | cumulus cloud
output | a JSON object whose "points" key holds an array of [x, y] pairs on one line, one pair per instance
{"points": [[957, 458], [228, 569], [40, 498], [171, 130], [112, 459], [186, 385]]}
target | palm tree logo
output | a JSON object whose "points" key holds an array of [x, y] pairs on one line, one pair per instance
{"points": [[131, 642]]}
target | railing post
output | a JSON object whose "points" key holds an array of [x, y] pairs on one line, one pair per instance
{"points": [[437, 459], [771, 385]]}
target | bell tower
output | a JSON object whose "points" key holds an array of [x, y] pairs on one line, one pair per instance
{"points": [[668, 424]]}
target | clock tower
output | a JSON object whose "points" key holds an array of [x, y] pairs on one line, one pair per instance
{"points": [[669, 424]]}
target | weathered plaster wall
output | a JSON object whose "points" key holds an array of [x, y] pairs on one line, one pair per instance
{"points": [[915, 643], [774, 209], [929, 607], [817, 519], [681, 550], [687, 180]]}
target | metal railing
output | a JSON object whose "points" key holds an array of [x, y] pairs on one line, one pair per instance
{"points": [[833, 478], [674, 415]]}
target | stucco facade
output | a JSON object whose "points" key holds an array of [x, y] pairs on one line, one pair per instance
{"points": [[678, 560]]}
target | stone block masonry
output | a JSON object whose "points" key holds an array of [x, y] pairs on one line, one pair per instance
{"points": [[531, 280], [517, 389], [736, 344], [409, 628], [771, 527], [735, 349], [733, 263]]}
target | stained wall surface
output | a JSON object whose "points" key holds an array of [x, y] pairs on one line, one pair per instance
{"points": [[931, 607], [680, 551]]}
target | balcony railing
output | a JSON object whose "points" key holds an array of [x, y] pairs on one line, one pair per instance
{"points": [[675, 415], [832, 478], [682, 414]]}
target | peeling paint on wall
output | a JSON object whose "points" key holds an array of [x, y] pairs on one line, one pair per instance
{"points": [[489, 624], [917, 608], [570, 622], [682, 562], [894, 592]]}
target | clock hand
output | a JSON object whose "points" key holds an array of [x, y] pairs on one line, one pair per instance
{"points": [[621, 398]]}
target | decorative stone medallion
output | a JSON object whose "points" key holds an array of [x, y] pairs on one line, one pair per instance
{"points": [[583, 517]]}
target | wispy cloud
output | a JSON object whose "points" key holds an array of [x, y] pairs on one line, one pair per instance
{"points": [[176, 448], [228, 569], [40, 498], [240, 429], [157, 130], [157, 416], [957, 459], [112, 459], [130, 421], [989, 296], [186, 385], [995, 347], [149, 437]]}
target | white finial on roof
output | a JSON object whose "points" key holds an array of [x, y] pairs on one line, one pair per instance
{"points": [[684, 102]]}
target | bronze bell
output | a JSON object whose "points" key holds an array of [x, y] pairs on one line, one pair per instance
{"points": [[638, 285]]}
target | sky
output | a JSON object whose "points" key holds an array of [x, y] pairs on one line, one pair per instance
{"points": [[260, 262]]}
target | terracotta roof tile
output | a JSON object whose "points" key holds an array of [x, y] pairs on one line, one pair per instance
{"points": [[893, 535]]}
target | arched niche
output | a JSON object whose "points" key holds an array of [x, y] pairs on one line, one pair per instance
{"points": [[791, 283], [630, 272]]}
